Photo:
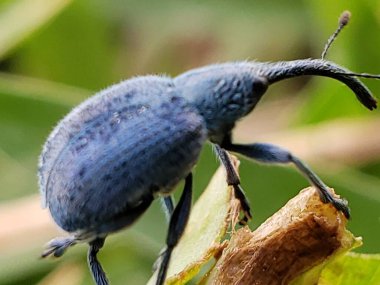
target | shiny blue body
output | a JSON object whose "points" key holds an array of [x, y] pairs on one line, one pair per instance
{"points": [[134, 141], [113, 154]]}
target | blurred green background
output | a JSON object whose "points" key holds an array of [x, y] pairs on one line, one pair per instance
{"points": [[56, 53]]}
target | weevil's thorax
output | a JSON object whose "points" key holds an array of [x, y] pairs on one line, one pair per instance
{"points": [[222, 94]]}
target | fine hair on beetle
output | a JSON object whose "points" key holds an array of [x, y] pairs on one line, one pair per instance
{"points": [[111, 156]]}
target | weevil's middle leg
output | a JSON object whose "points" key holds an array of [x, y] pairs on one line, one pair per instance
{"points": [[234, 180]]}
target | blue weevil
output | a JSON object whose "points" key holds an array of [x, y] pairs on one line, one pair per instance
{"points": [[111, 156]]}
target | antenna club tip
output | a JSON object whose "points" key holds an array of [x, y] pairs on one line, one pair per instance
{"points": [[344, 18]]}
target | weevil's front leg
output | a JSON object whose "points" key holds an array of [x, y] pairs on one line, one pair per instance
{"points": [[98, 273], [268, 153], [234, 180], [177, 226]]}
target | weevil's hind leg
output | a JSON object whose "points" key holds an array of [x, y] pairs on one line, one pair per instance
{"points": [[268, 153], [177, 226], [168, 206], [58, 246], [234, 180], [97, 271]]}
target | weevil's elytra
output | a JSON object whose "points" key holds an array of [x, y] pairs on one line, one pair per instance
{"points": [[166, 141], [110, 157]]}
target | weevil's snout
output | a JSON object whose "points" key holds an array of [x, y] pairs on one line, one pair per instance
{"points": [[278, 71]]}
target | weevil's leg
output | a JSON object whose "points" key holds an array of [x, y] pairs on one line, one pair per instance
{"points": [[167, 203], [168, 206], [97, 271], [234, 180], [177, 226], [58, 246], [268, 153]]}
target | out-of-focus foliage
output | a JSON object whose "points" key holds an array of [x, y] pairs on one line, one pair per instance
{"points": [[19, 19], [53, 59]]}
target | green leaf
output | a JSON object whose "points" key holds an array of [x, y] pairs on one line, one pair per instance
{"points": [[207, 225], [353, 269]]}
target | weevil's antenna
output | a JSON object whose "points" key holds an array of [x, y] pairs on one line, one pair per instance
{"points": [[343, 21], [364, 75]]}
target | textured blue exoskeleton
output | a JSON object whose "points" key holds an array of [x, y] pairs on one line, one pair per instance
{"points": [[107, 160]]}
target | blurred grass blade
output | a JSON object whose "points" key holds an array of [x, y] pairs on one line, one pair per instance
{"points": [[19, 19], [44, 90]]}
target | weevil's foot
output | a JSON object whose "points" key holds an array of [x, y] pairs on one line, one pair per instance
{"points": [[58, 246], [342, 205], [339, 204], [244, 220], [246, 214]]}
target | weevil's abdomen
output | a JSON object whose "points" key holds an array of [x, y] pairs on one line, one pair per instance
{"points": [[120, 159]]}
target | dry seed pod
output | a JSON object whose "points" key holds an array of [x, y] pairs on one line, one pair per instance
{"points": [[301, 235]]}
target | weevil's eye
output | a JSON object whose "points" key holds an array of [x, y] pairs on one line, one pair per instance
{"points": [[259, 85]]}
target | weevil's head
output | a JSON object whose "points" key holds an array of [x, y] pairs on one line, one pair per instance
{"points": [[222, 94]]}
